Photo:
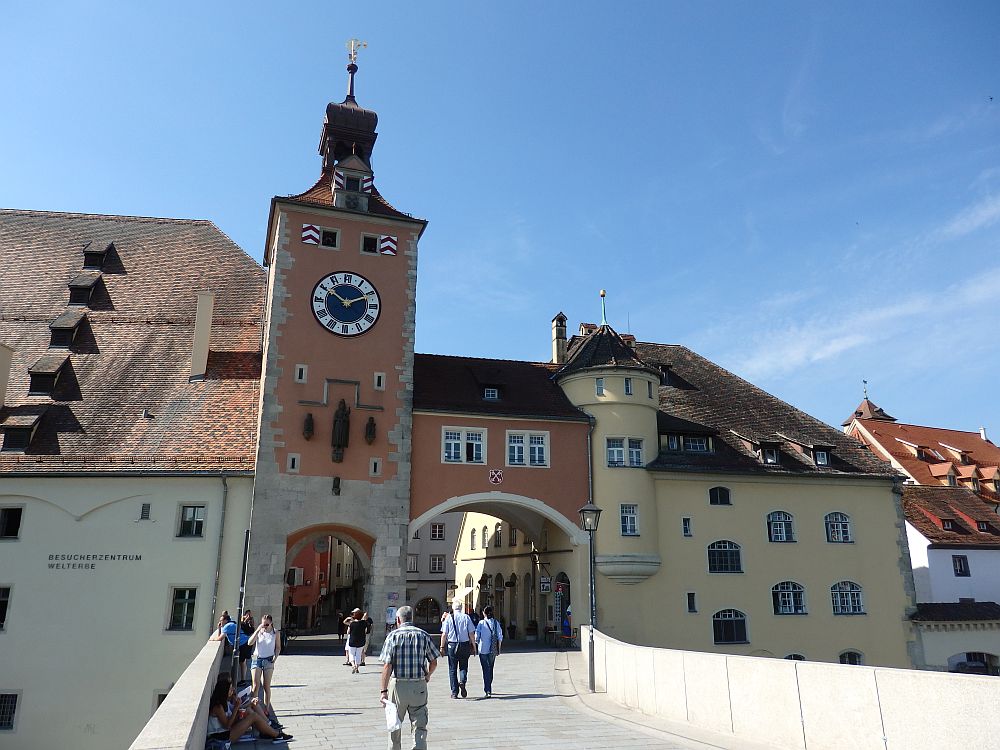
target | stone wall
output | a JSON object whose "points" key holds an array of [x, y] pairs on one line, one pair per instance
{"points": [[800, 704]]}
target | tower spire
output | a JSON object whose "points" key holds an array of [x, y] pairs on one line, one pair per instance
{"points": [[604, 311], [353, 45]]}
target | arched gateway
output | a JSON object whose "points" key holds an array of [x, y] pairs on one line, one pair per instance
{"points": [[360, 440]]}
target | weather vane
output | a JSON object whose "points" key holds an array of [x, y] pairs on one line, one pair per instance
{"points": [[865, 382], [353, 45], [604, 312]]}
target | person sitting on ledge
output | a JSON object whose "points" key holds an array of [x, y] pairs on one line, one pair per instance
{"points": [[226, 721]]}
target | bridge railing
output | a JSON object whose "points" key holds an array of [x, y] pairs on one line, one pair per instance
{"points": [[181, 721], [800, 704]]}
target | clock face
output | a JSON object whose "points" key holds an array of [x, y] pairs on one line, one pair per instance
{"points": [[345, 303]]}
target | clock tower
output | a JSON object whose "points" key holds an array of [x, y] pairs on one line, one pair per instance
{"points": [[333, 458]]}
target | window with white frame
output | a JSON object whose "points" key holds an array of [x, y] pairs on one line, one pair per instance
{"points": [[635, 452], [437, 563], [686, 526], [788, 598], [472, 539], [847, 598], [192, 521], [491, 394], [780, 527], [10, 522], [616, 451], [769, 455], [838, 528], [412, 564], [182, 602], [513, 537], [852, 657], [486, 538], [724, 557], [630, 519], [8, 711], [460, 445], [437, 532], [515, 449], [696, 444], [599, 386], [537, 449], [729, 626], [498, 536], [649, 388], [822, 457], [628, 386]]}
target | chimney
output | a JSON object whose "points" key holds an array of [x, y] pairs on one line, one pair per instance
{"points": [[559, 339], [202, 335], [982, 433], [6, 357]]}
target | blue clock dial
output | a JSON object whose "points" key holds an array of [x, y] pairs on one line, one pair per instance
{"points": [[346, 303]]}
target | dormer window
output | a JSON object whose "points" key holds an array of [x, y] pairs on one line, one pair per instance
{"points": [[982, 526], [19, 429], [947, 524], [822, 458], [975, 484], [696, 444], [65, 327], [921, 454], [94, 256], [952, 482], [44, 374], [769, 454], [82, 287], [352, 183], [491, 393]]}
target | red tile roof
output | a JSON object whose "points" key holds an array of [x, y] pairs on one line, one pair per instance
{"points": [[321, 194], [927, 507], [892, 437], [123, 402]]}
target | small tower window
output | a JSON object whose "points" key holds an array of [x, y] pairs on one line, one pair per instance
{"points": [[329, 238], [628, 386], [352, 183], [369, 244], [599, 386], [301, 372]]}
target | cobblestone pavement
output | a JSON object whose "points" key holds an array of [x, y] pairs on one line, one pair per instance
{"points": [[534, 705]]}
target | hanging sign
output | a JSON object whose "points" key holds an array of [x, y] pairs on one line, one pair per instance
{"points": [[544, 585]]}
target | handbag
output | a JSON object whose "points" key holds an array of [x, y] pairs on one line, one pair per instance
{"points": [[464, 648]]}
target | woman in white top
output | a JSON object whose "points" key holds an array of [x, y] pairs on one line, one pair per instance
{"points": [[267, 646]]}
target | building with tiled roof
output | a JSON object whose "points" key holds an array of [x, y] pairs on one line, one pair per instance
{"points": [[950, 503], [129, 430]]}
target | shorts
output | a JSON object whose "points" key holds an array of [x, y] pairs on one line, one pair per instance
{"points": [[246, 652], [262, 662]]}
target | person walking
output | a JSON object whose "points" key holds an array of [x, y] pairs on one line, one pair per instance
{"points": [[409, 658], [457, 634], [357, 633], [247, 627], [489, 636]]}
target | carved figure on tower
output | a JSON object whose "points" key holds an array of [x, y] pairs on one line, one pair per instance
{"points": [[341, 430]]}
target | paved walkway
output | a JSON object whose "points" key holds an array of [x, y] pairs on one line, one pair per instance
{"points": [[535, 706]]}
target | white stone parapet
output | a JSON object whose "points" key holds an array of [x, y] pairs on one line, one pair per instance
{"points": [[799, 704]]}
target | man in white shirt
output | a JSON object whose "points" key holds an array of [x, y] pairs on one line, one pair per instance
{"points": [[489, 636], [457, 633]]}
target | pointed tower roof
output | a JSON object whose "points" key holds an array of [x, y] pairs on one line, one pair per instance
{"points": [[348, 128], [867, 410], [604, 348]]}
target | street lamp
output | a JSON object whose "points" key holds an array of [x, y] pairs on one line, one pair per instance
{"points": [[590, 515]]}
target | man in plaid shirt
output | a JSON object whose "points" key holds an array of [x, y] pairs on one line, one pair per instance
{"points": [[409, 657]]}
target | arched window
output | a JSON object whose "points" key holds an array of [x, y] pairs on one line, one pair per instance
{"points": [[795, 657], [847, 598], [730, 626], [498, 582], [719, 496], [789, 598], [838, 528], [486, 537], [724, 557], [779, 527], [472, 539], [468, 581], [427, 614], [498, 536], [852, 657]]}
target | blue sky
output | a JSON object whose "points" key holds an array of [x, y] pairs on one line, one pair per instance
{"points": [[808, 194]]}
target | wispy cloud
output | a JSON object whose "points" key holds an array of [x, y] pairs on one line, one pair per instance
{"points": [[796, 108], [827, 334], [977, 216]]}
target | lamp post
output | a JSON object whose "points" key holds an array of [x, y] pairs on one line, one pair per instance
{"points": [[590, 515]]}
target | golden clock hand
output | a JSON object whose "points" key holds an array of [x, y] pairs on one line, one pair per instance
{"points": [[349, 302], [345, 302]]}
